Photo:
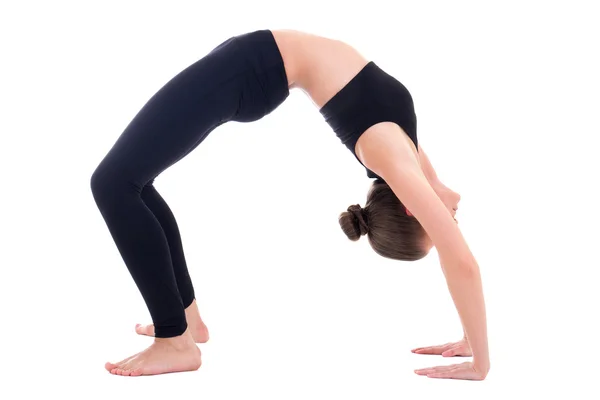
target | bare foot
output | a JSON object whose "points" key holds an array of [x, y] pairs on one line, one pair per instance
{"points": [[165, 355], [196, 326]]}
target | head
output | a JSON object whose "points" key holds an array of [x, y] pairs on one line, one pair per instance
{"points": [[392, 230]]}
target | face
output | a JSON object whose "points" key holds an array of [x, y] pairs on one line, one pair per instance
{"points": [[450, 199]]}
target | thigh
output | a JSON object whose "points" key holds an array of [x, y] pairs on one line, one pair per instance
{"points": [[176, 120]]}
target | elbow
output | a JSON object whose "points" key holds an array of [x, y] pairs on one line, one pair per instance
{"points": [[469, 270], [463, 270], [460, 264]]}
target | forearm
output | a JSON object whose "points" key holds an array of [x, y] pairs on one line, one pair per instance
{"points": [[464, 284], [426, 166]]}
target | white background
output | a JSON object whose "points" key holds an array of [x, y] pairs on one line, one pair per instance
{"points": [[507, 97]]}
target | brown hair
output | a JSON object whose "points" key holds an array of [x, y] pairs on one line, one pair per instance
{"points": [[391, 232]]}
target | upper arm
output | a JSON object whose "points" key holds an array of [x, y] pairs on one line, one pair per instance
{"points": [[395, 161], [413, 189]]}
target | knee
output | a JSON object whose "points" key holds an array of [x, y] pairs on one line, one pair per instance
{"points": [[107, 186], [98, 184]]}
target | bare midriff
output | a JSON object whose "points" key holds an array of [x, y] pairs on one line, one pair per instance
{"points": [[319, 66]]}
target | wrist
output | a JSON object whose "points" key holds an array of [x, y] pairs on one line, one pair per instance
{"points": [[481, 364]]}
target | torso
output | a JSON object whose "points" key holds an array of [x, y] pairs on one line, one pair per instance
{"points": [[319, 66]]}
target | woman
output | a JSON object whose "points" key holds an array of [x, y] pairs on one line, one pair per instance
{"points": [[408, 210]]}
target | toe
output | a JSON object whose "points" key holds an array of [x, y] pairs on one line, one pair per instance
{"points": [[136, 372], [123, 362], [109, 367]]}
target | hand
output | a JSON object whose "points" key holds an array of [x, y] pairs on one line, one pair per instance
{"points": [[456, 349], [466, 370]]}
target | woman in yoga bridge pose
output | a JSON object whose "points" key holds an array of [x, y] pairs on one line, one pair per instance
{"points": [[407, 211]]}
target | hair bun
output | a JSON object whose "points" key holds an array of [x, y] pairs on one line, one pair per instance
{"points": [[361, 224], [354, 222]]}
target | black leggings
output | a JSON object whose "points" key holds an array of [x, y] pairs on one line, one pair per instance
{"points": [[243, 79]]}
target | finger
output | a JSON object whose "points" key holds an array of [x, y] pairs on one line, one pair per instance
{"points": [[448, 367], [455, 374], [425, 371], [453, 351], [452, 373], [442, 375], [432, 349], [426, 350], [459, 351]]}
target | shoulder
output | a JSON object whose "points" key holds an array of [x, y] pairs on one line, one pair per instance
{"points": [[385, 144]]}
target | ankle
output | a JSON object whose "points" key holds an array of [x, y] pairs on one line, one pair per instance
{"points": [[177, 342], [193, 318]]}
